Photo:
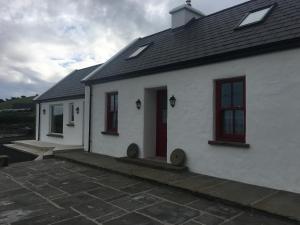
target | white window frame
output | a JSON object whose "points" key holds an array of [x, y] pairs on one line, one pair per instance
{"points": [[139, 51], [268, 9], [51, 117], [71, 113]]}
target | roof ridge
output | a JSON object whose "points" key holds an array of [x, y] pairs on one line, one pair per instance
{"points": [[155, 33], [89, 67], [202, 18], [229, 8]]}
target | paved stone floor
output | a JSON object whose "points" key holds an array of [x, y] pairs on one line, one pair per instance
{"points": [[60, 192]]}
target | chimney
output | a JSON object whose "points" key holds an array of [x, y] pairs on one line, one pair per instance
{"points": [[181, 15]]}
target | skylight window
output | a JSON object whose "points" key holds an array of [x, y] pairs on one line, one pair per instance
{"points": [[138, 51], [256, 16]]}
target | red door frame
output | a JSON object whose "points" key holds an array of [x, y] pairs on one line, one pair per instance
{"points": [[161, 123]]}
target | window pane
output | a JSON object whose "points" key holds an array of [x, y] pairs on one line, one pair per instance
{"points": [[116, 102], [238, 94], [239, 122], [226, 95], [255, 16], [112, 103], [114, 121], [71, 112], [227, 122], [138, 51], [57, 119]]}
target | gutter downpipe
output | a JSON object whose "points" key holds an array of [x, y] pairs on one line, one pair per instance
{"points": [[39, 121], [90, 119], [85, 80]]}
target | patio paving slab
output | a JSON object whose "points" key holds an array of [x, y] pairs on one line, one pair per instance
{"points": [[282, 203], [252, 219], [244, 194], [42, 203], [174, 195], [95, 209], [133, 218], [77, 221], [207, 219], [170, 213], [74, 200], [134, 202], [237, 193], [107, 194], [139, 187]]}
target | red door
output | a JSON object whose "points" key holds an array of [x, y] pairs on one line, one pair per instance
{"points": [[161, 123]]}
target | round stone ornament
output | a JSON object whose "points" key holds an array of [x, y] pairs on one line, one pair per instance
{"points": [[178, 157], [133, 151]]}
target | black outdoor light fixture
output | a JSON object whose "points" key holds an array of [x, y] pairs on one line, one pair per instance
{"points": [[138, 104], [77, 110], [172, 101], [44, 111]]}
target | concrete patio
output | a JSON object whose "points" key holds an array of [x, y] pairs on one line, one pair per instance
{"points": [[40, 149], [275, 202], [60, 192]]}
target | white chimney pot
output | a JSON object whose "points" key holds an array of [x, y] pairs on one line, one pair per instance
{"points": [[181, 15]]}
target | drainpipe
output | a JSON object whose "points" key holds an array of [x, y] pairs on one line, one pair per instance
{"points": [[90, 119], [39, 121]]}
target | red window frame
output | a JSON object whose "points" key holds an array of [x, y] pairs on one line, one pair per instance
{"points": [[219, 110], [112, 112]]}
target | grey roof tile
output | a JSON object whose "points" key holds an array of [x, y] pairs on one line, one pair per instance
{"points": [[70, 86], [208, 36]]}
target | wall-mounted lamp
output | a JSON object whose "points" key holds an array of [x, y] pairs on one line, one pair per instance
{"points": [[172, 101], [44, 111], [138, 104], [77, 110]]}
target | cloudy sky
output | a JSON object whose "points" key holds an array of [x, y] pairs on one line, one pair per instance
{"points": [[41, 41]]}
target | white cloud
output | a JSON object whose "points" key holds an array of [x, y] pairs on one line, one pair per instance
{"points": [[42, 41]]}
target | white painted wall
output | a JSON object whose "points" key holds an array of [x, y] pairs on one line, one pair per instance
{"points": [[273, 118], [71, 135]]}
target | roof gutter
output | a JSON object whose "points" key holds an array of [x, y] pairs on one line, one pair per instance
{"points": [[88, 77]]}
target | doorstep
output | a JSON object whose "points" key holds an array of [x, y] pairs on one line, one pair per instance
{"points": [[155, 164], [263, 199]]}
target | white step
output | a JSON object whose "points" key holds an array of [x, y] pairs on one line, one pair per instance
{"points": [[39, 153], [35, 145]]}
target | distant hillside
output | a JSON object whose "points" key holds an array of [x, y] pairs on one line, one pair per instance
{"points": [[18, 103]]}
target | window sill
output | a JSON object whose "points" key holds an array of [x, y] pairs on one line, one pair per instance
{"points": [[111, 133], [70, 125], [55, 135], [229, 144]]}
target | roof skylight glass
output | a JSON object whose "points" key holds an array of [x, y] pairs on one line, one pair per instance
{"points": [[138, 51], [255, 17]]}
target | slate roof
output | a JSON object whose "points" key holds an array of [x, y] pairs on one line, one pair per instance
{"points": [[206, 39], [68, 87]]}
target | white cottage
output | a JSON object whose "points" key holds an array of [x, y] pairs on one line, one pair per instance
{"points": [[223, 87], [60, 111]]}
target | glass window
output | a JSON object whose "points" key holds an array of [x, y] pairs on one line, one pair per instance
{"points": [[254, 17], [230, 110], [71, 113], [56, 119], [112, 112], [226, 95], [138, 51]]}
